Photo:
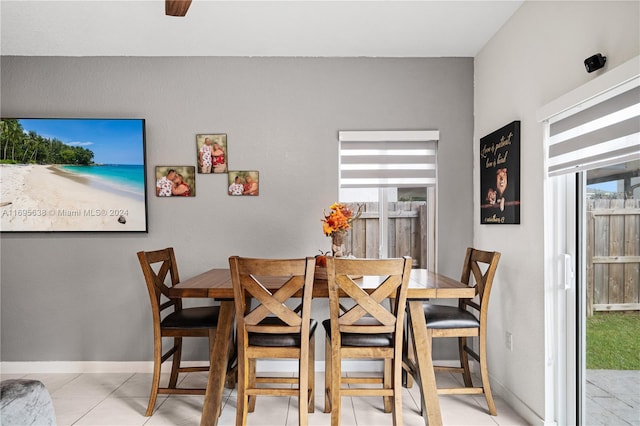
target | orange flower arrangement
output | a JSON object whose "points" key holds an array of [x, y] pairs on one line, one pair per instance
{"points": [[339, 219]]}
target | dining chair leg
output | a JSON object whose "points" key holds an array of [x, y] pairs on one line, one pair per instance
{"points": [[175, 364], [387, 379], [484, 374], [155, 381], [464, 362], [336, 385], [397, 392], [311, 400], [252, 384], [243, 402], [303, 389]]}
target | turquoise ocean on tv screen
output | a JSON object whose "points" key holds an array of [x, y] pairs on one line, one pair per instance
{"points": [[123, 179]]}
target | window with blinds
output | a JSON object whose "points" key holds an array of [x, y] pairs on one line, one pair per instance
{"points": [[601, 131], [392, 177]]}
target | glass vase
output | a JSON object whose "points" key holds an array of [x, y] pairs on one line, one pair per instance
{"points": [[337, 243]]}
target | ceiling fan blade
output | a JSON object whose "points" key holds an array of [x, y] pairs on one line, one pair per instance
{"points": [[176, 7]]}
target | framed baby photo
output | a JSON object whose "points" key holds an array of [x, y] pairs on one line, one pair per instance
{"points": [[175, 181], [244, 183], [212, 153], [500, 176]]}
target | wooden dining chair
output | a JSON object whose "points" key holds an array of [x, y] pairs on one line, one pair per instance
{"points": [[170, 319], [468, 319], [268, 327], [371, 328]]}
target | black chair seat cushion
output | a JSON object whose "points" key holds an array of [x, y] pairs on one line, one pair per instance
{"points": [[279, 340], [380, 340], [201, 317], [438, 316]]}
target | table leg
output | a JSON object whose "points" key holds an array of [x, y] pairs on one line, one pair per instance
{"points": [[409, 361], [218, 365], [424, 364]]}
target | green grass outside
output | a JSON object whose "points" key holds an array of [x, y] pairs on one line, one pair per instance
{"points": [[613, 341]]}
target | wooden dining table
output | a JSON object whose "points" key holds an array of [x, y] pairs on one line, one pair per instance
{"points": [[216, 284]]}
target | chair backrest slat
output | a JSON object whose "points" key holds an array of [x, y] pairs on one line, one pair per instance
{"points": [[477, 261], [370, 313], [273, 303], [160, 271], [270, 283], [368, 304]]}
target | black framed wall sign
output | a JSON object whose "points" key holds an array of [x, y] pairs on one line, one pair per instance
{"points": [[500, 176]]}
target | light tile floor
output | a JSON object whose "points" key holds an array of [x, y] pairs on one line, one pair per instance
{"points": [[120, 399]]}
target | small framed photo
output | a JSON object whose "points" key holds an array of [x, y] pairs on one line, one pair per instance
{"points": [[175, 181], [244, 183], [212, 153]]}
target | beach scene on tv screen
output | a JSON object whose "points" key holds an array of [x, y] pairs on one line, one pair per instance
{"points": [[72, 175]]}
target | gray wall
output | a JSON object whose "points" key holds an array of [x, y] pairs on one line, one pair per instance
{"points": [[81, 297]]}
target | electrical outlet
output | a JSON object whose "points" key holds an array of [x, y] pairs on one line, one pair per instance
{"points": [[509, 341]]}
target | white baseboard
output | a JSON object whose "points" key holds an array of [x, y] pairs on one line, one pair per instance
{"points": [[518, 406], [77, 367]]}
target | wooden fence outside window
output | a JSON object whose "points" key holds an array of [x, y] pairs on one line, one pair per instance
{"points": [[613, 255], [407, 231]]}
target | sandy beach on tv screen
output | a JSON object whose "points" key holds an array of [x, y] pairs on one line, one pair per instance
{"points": [[45, 198]]}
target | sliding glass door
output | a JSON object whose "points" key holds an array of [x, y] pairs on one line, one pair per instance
{"points": [[597, 294], [592, 250]]}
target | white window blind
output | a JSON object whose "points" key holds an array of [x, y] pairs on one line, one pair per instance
{"points": [[379, 159], [598, 132]]}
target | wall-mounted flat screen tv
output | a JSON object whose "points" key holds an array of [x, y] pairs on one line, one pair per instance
{"points": [[68, 174]]}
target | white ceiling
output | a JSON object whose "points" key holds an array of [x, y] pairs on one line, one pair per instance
{"points": [[341, 28]]}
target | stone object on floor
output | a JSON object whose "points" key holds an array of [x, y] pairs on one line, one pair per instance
{"points": [[25, 402]]}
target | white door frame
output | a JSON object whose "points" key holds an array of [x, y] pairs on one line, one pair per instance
{"points": [[560, 255]]}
